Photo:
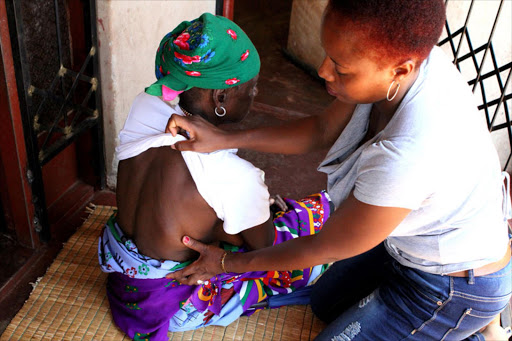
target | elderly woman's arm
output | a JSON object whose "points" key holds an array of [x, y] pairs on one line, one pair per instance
{"points": [[354, 228], [295, 137], [260, 236]]}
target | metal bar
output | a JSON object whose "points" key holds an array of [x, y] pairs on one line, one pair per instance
{"points": [[492, 73], [489, 43], [57, 24], [494, 102], [41, 105], [63, 71], [472, 54], [508, 160], [502, 90], [60, 100], [82, 77], [501, 126], [502, 97], [61, 110], [62, 143], [40, 222], [464, 30], [98, 134], [59, 46], [219, 7], [485, 105], [84, 105], [449, 38], [496, 68], [45, 93]]}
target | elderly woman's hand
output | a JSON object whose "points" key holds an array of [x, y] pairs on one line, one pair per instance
{"points": [[205, 267], [204, 137]]}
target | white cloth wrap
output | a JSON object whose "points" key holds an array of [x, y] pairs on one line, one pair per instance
{"points": [[232, 186]]}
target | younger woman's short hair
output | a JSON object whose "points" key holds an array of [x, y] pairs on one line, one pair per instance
{"points": [[393, 30]]}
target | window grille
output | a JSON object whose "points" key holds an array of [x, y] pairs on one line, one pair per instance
{"points": [[478, 34]]}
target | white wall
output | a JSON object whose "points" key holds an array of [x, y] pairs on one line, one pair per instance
{"points": [[129, 32], [304, 33]]}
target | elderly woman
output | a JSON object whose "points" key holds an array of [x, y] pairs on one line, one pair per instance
{"points": [[419, 234], [217, 198]]}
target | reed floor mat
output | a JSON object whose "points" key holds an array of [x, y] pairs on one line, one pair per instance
{"points": [[70, 303]]}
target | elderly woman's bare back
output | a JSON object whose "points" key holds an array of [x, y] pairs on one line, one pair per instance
{"points": [[159, 203]]}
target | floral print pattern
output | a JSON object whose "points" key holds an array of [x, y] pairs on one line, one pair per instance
{"points": [[158, 72], [182, 41], [130, 272], [143, 269], [186, 60], [208, 52], [141, 337], [244, 55], [208, 56], [192, 38], [130, 288], [133, 306], [232, 81], [130, 245], [108, 256], [193, 73], [204, 41], [232, 34]]}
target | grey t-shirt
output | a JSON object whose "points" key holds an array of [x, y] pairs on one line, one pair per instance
{"points": [[436, 158]]}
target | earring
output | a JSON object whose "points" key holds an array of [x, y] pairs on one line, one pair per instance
{"points": [[396, 91], [223, 112]]}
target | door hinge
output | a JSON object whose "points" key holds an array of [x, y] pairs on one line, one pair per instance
{"points": [[30, 176], [37, 225]]}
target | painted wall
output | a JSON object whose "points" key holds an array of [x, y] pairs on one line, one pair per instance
{"points": [[129, 32], [304, 34]]}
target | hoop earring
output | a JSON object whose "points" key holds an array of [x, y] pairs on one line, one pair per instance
{"points": [[396, 91], [223, 112]]}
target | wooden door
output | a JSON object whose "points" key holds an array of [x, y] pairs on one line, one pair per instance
{"points": [[50, 113]]}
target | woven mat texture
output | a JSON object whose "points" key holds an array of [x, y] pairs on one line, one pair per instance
{"points": [[70, 303]]}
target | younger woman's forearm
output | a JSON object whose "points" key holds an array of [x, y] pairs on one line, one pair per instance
{"points": [[297, 137], [297, 253]]}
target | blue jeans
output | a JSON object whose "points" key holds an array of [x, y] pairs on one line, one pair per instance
{"points": [[389, 301]]}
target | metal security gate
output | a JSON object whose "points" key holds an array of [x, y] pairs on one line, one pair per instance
{"points": [[55, 56], [488, 73]]}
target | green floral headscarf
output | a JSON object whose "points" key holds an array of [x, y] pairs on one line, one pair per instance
{"points": [[210, 52]]}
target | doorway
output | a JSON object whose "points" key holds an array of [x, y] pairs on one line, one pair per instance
{"points": [[53, 60], [51, 146], [286, 92]]}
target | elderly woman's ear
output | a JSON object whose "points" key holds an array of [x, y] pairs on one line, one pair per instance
{"points": [[219, 97]]}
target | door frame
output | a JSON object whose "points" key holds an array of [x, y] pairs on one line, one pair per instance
{"points": [[225, 8], [17, 199]]}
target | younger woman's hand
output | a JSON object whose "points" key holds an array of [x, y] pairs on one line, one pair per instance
{"points": [[204, 268], [204, 137]]}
